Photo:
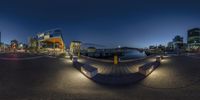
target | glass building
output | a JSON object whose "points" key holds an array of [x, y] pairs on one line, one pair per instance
{"points": [[194, 38]]}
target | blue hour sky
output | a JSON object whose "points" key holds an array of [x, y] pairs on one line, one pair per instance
{"points": [[108, 22]]}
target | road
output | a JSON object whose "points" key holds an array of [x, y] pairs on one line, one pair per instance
{"points": [[56, 79]]}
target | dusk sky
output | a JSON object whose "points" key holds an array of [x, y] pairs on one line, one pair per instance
{"points": [[108, 22]]}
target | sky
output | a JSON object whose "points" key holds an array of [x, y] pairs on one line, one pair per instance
{"points": [[134, 23]]}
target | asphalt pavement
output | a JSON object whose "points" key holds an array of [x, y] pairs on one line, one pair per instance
{"points": [[56, 79]]}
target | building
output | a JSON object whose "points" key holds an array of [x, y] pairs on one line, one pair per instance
{"points": [[91, 49], [22, 46], [14, 44], [75, 48], [33, 42], [51, 41], [152, 47], [178, 39], [170, 46], [178, 42], [193, 39], [177, 45], [161, 47]]}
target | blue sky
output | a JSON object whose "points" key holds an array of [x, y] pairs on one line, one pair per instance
{"points": [[108, 22]]}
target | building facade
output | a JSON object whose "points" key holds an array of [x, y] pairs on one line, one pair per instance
{"points": [[193, 39], [91, 49], [170, 46], [51, 40], [14, 44], [178, 42], [177, 45], [75, 48]]}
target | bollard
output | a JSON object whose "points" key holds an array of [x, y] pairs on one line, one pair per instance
{"points": [[116, 60]]}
